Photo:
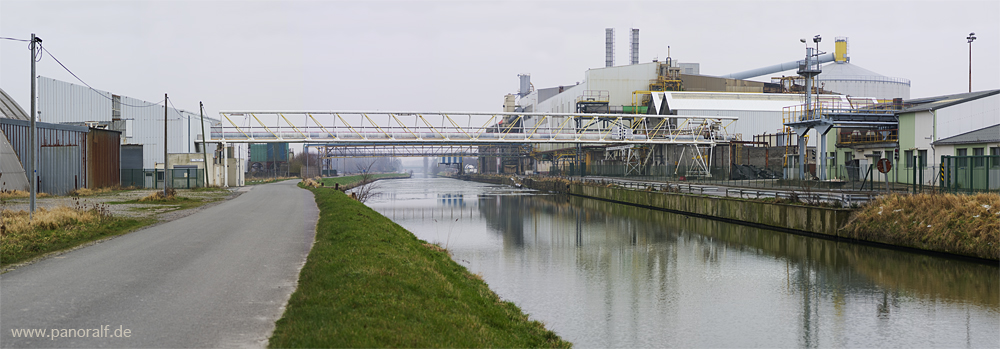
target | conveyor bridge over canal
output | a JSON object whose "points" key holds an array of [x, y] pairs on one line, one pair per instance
{"points": [[506, 134]]}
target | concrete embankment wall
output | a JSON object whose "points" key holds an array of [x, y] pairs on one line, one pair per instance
{"points": [[797, 218], [800, 219]]}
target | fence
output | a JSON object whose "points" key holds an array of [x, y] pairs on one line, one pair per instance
{"points": [[739, 176], [863, 178], [970, 174], [181, 178]]}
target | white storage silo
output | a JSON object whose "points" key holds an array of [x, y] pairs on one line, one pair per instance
{"points": [[845, 78]]}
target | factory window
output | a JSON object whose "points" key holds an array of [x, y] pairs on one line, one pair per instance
{"points": [[908, 158], [962, 153], [979, 161], [995, 157], [923, 158]]}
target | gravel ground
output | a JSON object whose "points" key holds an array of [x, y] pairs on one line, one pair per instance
{"points": [[137, 210]]}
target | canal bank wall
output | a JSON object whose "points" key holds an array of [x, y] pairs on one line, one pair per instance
{"points": [[797, 218], [824, 222]]}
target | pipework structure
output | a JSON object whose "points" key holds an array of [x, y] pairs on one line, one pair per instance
{"points": [[825, 116]]}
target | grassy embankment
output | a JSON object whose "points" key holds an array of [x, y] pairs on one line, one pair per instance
{"points": [[961, 224], [370, 283], [348, 182]]}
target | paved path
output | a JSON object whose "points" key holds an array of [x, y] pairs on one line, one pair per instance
{"points": [[218, 278]]}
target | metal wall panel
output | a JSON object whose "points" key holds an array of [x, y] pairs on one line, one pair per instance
{"points": [[62, 101], [61, 160], [131, 156], [103, 158], [968, 116], [56, 173], [621, 81]]}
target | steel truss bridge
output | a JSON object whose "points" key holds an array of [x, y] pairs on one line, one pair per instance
{"points": [[357, 150], [424, 128], [438, 134]]}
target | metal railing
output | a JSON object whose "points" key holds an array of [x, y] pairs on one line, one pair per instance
{"points": [[820, 108], [868, 136], [186, 178], [808, 195], [464, 127]]}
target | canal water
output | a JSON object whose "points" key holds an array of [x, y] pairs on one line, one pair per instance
{"points": [[607, 275]]}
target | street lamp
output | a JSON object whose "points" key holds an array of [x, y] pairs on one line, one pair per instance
{"points": [[971, 38]]}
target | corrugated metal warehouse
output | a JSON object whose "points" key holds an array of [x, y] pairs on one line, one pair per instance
{"points": [[68, 157], [62, 150], [141, 122], [12, 176]]}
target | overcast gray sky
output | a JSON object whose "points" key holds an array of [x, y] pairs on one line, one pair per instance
{"points": [[464, 55]]}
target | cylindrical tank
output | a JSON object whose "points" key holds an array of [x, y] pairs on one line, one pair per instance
{"points": [[849, 79]]}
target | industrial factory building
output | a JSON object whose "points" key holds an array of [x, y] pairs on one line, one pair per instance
{"points": [[927, 129], [140, 122], [141, 126], [67, 158], [756, 119]]}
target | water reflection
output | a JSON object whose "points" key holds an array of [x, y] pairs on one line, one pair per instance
{"points": [[608, 275]]}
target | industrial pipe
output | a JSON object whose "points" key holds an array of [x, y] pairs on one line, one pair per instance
{"points": [[775, 68]]}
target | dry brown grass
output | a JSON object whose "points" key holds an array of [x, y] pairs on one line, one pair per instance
{"points": [[961, 224], [16, 223], [312, 182], [89, 192], [158, 196], [13, 194]]}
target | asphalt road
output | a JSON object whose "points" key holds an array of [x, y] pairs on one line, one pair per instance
{"points": [[218, 278]]}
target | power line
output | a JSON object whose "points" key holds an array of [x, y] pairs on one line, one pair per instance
{"points": [[88, 85], [14, 39]]}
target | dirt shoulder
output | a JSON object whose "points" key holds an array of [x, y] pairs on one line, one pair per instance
{"points": [[123, 205]]}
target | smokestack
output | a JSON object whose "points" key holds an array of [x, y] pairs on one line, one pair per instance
{"points": [[609, 47], [525, 86], [635, 46]]}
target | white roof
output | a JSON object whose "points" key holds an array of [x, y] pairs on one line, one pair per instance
{"points": [[10, 109]]}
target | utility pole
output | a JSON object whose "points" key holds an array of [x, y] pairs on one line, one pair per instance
{"points": [[971, 38], [32, 173], [166, 183], [204, 138]]}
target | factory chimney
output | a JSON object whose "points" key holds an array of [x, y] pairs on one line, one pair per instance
{"points": [[635, 46], [609, 47]]}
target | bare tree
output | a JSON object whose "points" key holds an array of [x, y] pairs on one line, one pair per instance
{"points": [[367, 188]]}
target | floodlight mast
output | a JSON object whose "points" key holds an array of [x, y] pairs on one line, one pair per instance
{"points": [[971, 38]]}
